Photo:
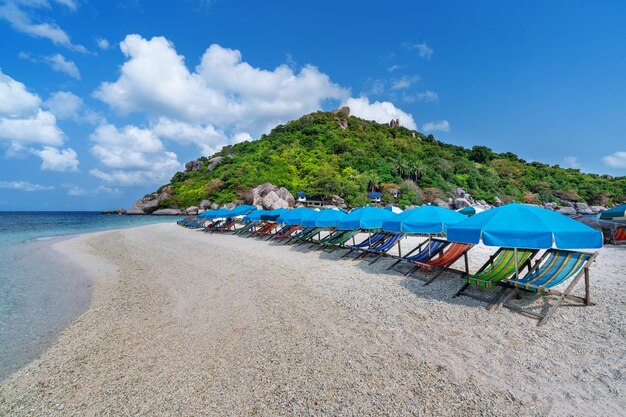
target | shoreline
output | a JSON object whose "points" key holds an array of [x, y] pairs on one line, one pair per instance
{"points": [[220, 324]]}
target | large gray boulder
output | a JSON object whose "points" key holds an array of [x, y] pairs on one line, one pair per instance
{"points": [[278, 197], [338, 201], [134, 211], [193, 210], [272, 201], [550, 206], [440, 203], [192, 166], [215, 206], [568, 211], [598, 209], [167, 212], [583, 208], [460, 203], [497, 202], [205, 204]]}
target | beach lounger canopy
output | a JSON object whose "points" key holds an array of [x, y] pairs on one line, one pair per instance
{"points": [[365, 218], [521, 226], [425, 219], [325, 218], [272, 215], [470, 210], [616, 213], [295, 216]]}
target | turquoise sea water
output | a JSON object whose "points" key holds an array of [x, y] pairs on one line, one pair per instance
{"points": [[40, 292]]}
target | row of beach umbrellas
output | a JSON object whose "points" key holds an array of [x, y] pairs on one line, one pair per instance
{"points": [[512, 225]]}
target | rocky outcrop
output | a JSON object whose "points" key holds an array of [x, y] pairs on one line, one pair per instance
{"points": [[214, 162], [460, 203], [598, 209], [167, 212], [192, 166], [551, 206], [337, 201], [440, 203], [193, 210], [568, 211], [150, 203], [270, 197], [205, 204], [345, 111], [394, 123], [497, 202]]}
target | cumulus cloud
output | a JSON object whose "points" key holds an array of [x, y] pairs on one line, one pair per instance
{"points": [[381, 112], [21, 21], [616, 160], [23, 186], [424, 50], [24, 124], [57, 62], [54, 159], [64, 105], [424, 97], [15, 99], [209, 139], [102, 190], [135, 156], [222, 90], [404, 82], [441, 126]]}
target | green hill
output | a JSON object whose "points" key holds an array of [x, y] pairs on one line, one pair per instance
{"points": [[319, 156]]}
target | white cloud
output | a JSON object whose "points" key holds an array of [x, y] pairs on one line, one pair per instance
{"points": [[103, 44], [78, 191], [15, 100], [441, 126], [424, 50], [20, 20], [616, 160], [404, 82], [571, 162], [57, 62], [64, 105], [394, 67], [23, 186], [54, 159], [40, 128], [425, 97], [206, 137], [222, 90], [135, 155], [381, 112]]}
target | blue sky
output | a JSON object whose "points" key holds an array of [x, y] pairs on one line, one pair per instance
{"points": [[101, 102]]}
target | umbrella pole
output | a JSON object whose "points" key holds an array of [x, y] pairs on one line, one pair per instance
{"points": [[516, 265]]}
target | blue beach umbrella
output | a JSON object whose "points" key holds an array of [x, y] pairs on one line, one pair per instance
{"points": [[364, 218], [254, 216], [521, 226], [241, 210], [295, 216], [325, 218], [616, 213], [214, 214], [425, 219]]}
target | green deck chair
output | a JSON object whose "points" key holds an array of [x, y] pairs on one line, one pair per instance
{"points": [[501, 265]]}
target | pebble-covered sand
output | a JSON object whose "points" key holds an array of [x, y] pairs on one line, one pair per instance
{"points": [[185, 323]]}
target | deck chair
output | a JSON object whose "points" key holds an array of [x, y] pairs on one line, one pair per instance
{"points": [[224, 227], [555, 267], [309, 235], [501, 265], [332, 233], [298, 235], [246, 228], [369, 242], [443, 261], [213, 225], [619, 236], [339, 239], [380, 250], [285, 232], [425, 250], [265, 229]]}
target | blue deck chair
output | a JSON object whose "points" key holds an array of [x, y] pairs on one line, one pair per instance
{"points": [[385, 246], [369, 242], [554, 268]]}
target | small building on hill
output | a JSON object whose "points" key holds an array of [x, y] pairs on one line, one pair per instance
{"points": [[375, 197]]}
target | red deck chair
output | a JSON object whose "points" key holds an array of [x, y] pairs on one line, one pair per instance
{"points": [[444, 260], [620, 235]]}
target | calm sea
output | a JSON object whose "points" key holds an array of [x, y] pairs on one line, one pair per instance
{"points": [[41, 293]]}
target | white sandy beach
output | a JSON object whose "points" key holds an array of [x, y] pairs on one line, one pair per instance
{"points": [[185, 323]]}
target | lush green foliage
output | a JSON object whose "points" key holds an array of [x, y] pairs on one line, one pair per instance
{"points": [[314, 155]]}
